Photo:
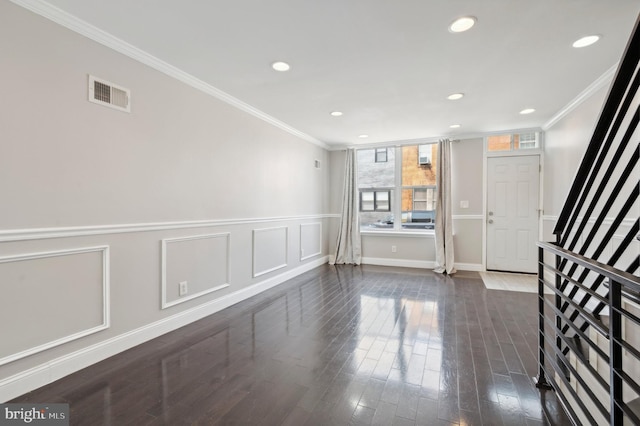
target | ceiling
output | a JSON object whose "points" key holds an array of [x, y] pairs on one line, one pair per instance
{"points": [[387, 65]]}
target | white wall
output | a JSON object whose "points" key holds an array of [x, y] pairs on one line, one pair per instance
{"points": [[76, 175], [565, 145], [467, 185]]}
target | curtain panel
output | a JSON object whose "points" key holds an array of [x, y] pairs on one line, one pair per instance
{"points": [[444, 219], [348, 246]]}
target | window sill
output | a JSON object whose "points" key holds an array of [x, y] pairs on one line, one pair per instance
{"points": [[429, 233]]}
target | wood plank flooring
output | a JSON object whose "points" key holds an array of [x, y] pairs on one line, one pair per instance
{"points": [[335, 346]]}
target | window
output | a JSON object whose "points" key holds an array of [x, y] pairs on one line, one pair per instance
{"points": [[513, 142], [375, 201], [412, 180], [381, 155], [424, 199], [376, 181], [418, 186], [528, 141]]}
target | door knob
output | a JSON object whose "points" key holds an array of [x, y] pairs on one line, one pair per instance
{"points": [[490, 220], [490, 213]]}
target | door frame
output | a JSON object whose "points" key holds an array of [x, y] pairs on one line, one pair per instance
{"points": [[539, 152]]}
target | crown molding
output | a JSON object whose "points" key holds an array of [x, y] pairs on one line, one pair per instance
{"points": [[83, 28], [602, 81], [431, 139]]}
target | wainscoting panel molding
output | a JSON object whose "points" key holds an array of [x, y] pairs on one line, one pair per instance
{"points": [[310, 240], [199, 261], [42, 306], [50, 371], [270, 249]]}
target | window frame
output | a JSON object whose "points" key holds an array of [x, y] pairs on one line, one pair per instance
{"points": [[529, 150], [375, 200], [395, 202], [426, 189], [378, 152]]}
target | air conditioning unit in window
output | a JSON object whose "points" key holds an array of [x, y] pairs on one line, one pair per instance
{"points": [[424, 161], [424, 155]]}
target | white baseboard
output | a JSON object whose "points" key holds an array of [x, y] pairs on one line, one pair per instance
{"points": [[425, 264], [477, 267], [403, 263], [33, 378]]}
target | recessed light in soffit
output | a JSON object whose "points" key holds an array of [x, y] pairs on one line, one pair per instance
{"points": [[336, 113], [281, 66], [586, 41], [454, 126], [462, 24], [455, 96], [527, 111]]}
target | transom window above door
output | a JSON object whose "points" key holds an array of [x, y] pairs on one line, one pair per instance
{"points": [[513, 142]]}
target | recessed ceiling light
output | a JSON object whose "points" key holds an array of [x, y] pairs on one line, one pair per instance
{"points": [[455, 96], [336, 113], [462, 24], [281, 66], [586, 41], [527, 111], [454, 126], [363, 136]]}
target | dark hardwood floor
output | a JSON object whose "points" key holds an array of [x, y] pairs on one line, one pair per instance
{"points": [[335, 346]]}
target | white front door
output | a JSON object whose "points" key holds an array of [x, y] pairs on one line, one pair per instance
{"points": [[512, 213]]}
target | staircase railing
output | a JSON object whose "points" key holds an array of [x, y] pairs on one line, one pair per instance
{"points": [[556, 366], [591, 271]]}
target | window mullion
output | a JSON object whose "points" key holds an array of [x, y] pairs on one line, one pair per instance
{"points": [[397, 199]]}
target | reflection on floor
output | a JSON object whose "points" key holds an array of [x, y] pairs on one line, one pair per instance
{"points": [[527, 283], [335, 346]]}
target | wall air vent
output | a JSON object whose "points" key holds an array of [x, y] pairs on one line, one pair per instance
{"points": [[108, 94]]}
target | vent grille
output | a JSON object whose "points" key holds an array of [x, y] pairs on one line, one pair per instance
{"points": [[108, 94]]}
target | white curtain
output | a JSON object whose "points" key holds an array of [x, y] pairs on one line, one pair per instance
{"points": [[348, 247], [444, 220]]}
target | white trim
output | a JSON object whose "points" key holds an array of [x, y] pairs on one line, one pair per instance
{"points": [[602, 81], [81, 27], [431, 139], [468, 217], [485, 194], [286, 250], [405, 263], [165, 242], [319, 252], [608, 221], [515, 153], [399, 233], [11, 235], [50, 371], [106, 318], [477, 267], [402, 263]]}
